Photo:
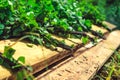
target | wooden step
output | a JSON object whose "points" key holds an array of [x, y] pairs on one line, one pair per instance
{"points": [[39, 57], [84, 66]]}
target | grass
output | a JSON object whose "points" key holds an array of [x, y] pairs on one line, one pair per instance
{"points": [[111, 69]]}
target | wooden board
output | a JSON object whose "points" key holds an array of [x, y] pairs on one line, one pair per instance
{"points": [[37, 56], [84, 66]]}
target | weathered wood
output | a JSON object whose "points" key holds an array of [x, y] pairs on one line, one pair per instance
{"points": [[84, 66], [111, 26], [37, 56]]}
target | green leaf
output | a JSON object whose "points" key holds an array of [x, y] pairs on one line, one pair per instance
{"points": [[16, 66], [20, 75], [11, 5], [29, 45], [1, 60], [31, 2], [17, 31], [29, 68], [1, 28], [80, 28], [30, 15], [46, 19], [21, 59], [29, 78], [88, 23], [40, 41], [64, 25], [8, 52], [84, 40], [118, 56]]}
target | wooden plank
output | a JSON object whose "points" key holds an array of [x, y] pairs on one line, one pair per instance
{"points": [[111, 26], [84, 66], [96, 28], [37, 56]]}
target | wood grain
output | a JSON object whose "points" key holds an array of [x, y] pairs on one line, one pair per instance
{"points": [[38, 56], [84, 66]]}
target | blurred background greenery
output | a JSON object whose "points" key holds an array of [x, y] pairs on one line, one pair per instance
{"points": [[111, 8]]}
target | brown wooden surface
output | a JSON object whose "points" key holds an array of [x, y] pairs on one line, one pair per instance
{"points": [[37, 56], [84, 66]]}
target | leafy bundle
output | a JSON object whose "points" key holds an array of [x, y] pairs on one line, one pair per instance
{"points": [[38, 19]]}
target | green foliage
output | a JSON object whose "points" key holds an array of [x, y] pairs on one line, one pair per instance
{"points": [[8, 52], [84, 40], [23, 74], [1, 28], [93, 11], [1, 61], [45, 17], [21, 59], [113, 11], [7, 61]]}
